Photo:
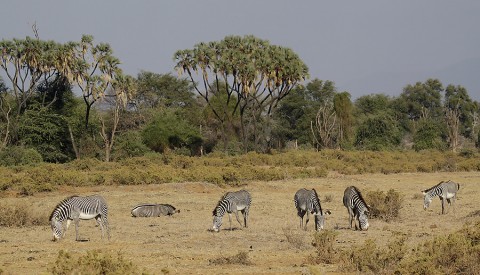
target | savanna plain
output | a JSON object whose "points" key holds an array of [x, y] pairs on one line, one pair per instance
{"points": [[273, 243]]}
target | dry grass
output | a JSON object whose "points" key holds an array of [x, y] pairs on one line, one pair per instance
{"points": [[183, 243]]}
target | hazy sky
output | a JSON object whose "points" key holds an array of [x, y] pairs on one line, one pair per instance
{"points": [[365, 47]]}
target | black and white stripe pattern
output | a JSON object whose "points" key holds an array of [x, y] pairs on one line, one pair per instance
{"points": [[357, 207], [78, 208], [232, 202], [445, 190], [153, 210], [307, 202]]}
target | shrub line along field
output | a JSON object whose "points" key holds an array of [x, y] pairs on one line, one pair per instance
{"points": [[272, 244]]}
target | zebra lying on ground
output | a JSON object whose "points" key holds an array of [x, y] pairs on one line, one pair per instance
{"points": [[76, 208], [357, 207], [445, 190], [306, 202], [232, 202], [153, 210]]}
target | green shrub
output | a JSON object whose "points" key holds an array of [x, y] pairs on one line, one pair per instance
{"points": [[95, 262], [384, 206], [17, 155]]}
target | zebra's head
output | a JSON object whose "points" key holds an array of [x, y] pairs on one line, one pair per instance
{"points": [[427, 199], [363, 220], [320, 220], [57, 229], [217, 222]]}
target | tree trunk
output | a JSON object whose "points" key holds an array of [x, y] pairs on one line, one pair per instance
{"points": [[74, 145]]}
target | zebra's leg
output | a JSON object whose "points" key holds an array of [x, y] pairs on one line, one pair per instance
{"points": [[443, 206], [107, 227], [350, 217], [230, 220], [306, 220], [77, 221], [100, 223], [238, 218], [245, 216]]}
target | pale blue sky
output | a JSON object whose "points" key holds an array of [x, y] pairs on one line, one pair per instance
{"points": [[365, 47]]}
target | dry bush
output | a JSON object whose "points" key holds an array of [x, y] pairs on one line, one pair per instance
{"points": [[241, 258], [455, 253], [325, 252], [17, 215], [370, 259], [384, 206], [295, 238], [95, 262]]}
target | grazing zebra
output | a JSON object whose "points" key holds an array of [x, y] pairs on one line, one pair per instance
{"points": [[76, 208], [153, 210], [357, 207], [232, 202], [307, 201], [445, 190]]}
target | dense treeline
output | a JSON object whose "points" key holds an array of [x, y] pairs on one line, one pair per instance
{"points": [[60, 102]]}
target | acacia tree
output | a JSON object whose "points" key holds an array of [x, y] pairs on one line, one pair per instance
{"points": [[256, 74]]}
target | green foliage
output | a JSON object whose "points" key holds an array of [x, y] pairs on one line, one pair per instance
{"points": [[94, 262], [17, 155], [428, 136], [45, 131], [385, 206], [129, 145], [378, 133], [169, 131]]}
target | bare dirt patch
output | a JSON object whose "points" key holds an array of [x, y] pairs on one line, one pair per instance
{"points": [[273, 243]]}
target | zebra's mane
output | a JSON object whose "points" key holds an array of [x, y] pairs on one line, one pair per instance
{"points": [[361, 197], [318, 200], [214, 212], [59, 204], [429, 189]]}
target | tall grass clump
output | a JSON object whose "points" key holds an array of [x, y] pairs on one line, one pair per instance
{"points": [[16, 215], [383, 206], [241, 258], [94, 262]]}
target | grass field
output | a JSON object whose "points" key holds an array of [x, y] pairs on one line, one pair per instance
{"points": [[184, 243]]}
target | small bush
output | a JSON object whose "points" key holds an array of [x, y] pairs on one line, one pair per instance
{"points": [[385, 207], [241, 258], [16, 155], [323, 242], [95, 262]]}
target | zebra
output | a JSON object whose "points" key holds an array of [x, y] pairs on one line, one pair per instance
{"points": [[153, 210], [357, 208], [445, 190], [232, 202], [307, 201], [76, 208]]}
